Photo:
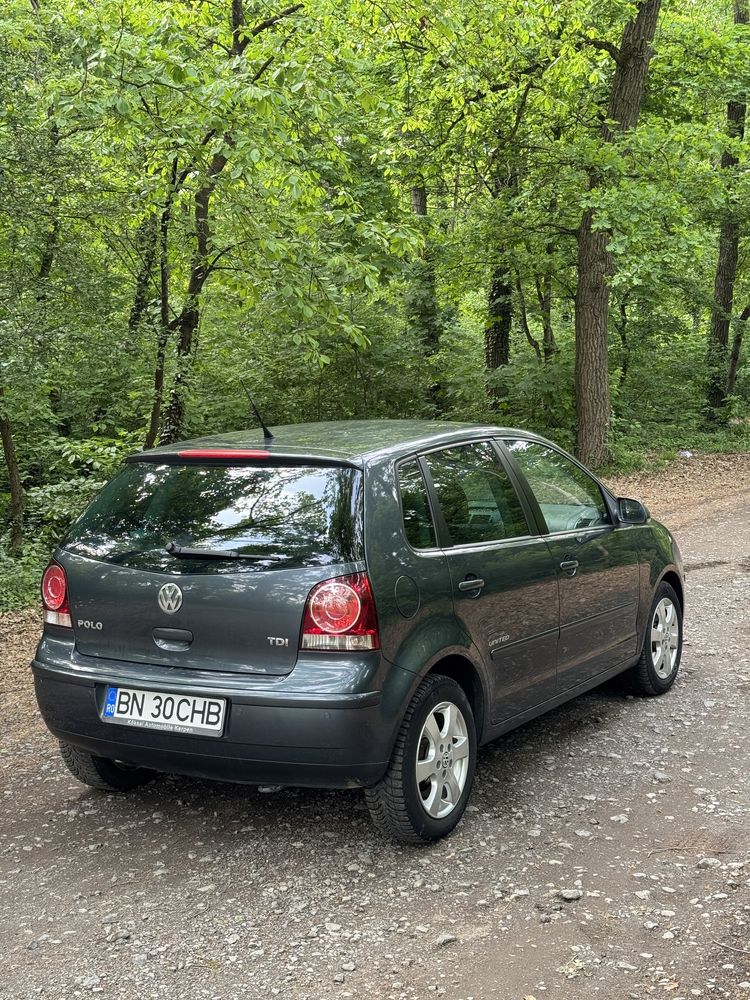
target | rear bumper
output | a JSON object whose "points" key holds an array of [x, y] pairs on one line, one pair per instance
{"points": [[330, 739]]}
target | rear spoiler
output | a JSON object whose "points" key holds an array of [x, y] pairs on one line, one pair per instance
{"points": [[239, 456]]}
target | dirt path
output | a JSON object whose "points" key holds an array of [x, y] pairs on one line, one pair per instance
{"points": [[606, 852]]}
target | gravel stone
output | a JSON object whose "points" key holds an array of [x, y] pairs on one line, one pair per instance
{"points": [[570, 895], [100, 894], [445, 939]]}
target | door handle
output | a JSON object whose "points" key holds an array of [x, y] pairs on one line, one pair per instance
{"points": [[471, 584], [569, 566]]}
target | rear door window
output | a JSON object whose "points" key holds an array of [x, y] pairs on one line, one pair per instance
{"points": [[418, 526], [287, 516], [476, 497]]}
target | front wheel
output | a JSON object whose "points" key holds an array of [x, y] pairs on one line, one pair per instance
{"points": [[656, 670], [424, 792]]}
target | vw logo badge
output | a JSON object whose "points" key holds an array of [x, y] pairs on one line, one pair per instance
{"points": [[170, 598]]}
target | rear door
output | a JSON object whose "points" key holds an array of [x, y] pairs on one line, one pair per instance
{"points": [[292, 526], [596, 561], [503, 577]]}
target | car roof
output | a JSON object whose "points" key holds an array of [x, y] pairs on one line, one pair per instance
{"points": [[350, 441]]}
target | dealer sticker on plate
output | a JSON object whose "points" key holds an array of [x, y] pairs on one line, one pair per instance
{"points": [[170, 712]]}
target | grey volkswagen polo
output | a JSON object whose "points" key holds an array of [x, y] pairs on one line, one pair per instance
{"points": [[353, 604]]}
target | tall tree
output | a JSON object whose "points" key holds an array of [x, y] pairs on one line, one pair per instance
{"points": [[185, 203], [422, 308], [499, 299], [14, 478], [593, 263], [721, 374], [201, 264]]}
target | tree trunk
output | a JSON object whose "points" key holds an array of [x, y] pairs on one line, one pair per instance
{"points": [[174, 416], [46, 261], [419, 200], [146, 247], [499, 297], [164, 311], [422, 307], [497, 331], [726, 266], [158, 390], [544, 295], [187, 322], [14, 480], [592, 295], [544, 284], [47, 257], [734, 358], [421, 302], [622, 331], [721, 315], [523, 317], [500, 310], [48, 253], [591, 366]]}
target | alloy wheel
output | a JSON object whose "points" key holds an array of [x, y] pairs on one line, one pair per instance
{"points": [[665, 638], [442, 764]]}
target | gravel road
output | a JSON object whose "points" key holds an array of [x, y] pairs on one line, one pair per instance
{"points": [[606, 852]]}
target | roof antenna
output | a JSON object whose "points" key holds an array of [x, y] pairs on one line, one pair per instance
{"points": [[267, 435]]}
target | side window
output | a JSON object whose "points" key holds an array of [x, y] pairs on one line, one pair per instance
{"points": [[568, 496], [476, 497], [417, 518]]}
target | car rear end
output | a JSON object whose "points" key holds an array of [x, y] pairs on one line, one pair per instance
{"points": [[211, 614]]}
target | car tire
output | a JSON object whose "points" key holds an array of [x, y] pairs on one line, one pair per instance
{"points": [[413, 802], [656, 669], [102, 773]]}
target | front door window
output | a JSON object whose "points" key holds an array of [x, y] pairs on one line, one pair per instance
{"points": [[569, 498]]}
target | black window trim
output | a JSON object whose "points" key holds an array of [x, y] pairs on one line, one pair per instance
{"points": [[357, 507], [415, 459], [442, 531], [607, 496]]}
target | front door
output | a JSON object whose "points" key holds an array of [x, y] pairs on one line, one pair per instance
{"points": [[596, 560], [503, 576]]}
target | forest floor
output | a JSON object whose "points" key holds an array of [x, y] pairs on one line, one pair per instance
{"points": [[606, 851]]}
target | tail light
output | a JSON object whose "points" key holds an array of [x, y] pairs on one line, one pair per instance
{"points": [[340, 615], [55, 596]]}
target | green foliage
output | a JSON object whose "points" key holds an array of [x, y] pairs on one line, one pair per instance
{"points": [[20, 576], [319, 286]]}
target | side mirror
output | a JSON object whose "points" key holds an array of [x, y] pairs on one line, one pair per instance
{"points": [[631, 511]]}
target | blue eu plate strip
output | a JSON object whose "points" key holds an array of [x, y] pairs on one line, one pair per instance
{"points": [[109, 708]]}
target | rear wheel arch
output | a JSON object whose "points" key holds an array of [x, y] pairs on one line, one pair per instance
{"points": [[466, 675], [401, 687]]}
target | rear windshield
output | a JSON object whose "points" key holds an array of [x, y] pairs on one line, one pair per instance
{"points": [[288, 515]]}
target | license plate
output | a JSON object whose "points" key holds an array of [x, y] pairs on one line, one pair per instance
{"points": [[173, 713]]}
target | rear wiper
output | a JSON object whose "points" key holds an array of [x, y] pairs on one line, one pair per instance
{"points": [[181, 552]]}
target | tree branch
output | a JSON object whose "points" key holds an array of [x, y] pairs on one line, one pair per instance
{"points": [[495, 88], [525, 321], [238, 20], [261, 70], [241, 43], [604, 46]]}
